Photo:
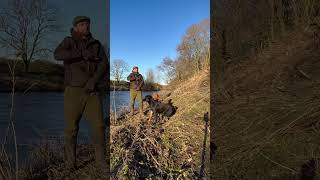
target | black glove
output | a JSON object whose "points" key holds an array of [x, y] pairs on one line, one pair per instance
{"points": [[137, 77], [88, 56], [90, 86]]}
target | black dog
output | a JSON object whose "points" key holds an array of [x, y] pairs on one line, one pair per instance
{"points": [[157, 108]]}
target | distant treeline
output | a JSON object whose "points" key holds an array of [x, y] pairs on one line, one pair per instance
{"points": [[125, 86], [42, 76]]}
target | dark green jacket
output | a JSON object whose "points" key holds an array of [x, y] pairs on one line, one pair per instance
{"points": [[85, 61], [136, 81]]}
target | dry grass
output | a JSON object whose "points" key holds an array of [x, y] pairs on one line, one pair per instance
{"points": [[169, 150], [45, 161], [268, 127], [7, 172]]}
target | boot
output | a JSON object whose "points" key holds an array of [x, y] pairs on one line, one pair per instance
{"points": [[131, 111], [100, 152], [141, 113], [70, 154]]}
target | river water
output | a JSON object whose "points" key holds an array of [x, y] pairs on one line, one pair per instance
{"points": [[41, 114]]}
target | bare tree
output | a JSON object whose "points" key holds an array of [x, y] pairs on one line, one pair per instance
{"points": [[118, 69], [150, 78], [168, 67], [23, 27], [195, 45]]}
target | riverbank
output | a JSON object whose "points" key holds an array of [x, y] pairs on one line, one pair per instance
{"points": [[173, 150], [43, 76], [167, 150]]}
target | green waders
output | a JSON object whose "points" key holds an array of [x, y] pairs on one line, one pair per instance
{"points": [[133, 94], [76, 102]]}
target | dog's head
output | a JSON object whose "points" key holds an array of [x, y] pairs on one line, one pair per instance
{"points": [[156, 96], [175, 108], [147, 98]]}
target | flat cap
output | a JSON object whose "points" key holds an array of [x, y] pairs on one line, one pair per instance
{"points": [[78, 19]]}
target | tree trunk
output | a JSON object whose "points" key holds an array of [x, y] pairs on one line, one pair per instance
{"points": [[26, 65]]}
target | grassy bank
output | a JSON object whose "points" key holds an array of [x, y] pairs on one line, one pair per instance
{"points": [[266, 112], [168, 150]]}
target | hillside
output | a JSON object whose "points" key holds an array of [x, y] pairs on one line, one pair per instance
{"points": [[266, 112], [168, 150]]}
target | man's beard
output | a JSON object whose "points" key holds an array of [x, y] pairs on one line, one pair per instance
{"points": [[86, 33]]}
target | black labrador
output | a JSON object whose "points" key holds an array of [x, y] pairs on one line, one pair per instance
{"points": [[160, 109]]}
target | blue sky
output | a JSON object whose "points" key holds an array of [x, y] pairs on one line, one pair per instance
{"points": [[143, 32]]}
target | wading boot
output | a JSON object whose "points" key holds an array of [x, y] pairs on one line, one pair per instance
{"points": [[131, 111]]}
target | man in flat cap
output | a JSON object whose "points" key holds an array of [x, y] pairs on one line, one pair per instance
{"points": [[85, 64], [136, 84]]}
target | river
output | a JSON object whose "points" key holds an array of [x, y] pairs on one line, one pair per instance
{"points": [[41, 114]]}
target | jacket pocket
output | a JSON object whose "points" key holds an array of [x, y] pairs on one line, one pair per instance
{"points": [[92, 67], [67, 75], [79, 73]]}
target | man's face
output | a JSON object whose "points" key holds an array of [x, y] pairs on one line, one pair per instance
{"points": [[82, 28], [135, 70]]}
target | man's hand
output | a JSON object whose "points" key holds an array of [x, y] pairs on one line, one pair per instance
{"points": [[88, 56], [64, 52], [90, 86]]}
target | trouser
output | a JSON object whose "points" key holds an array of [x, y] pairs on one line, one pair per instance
{"points": [[76, 103], [133, 94]]}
